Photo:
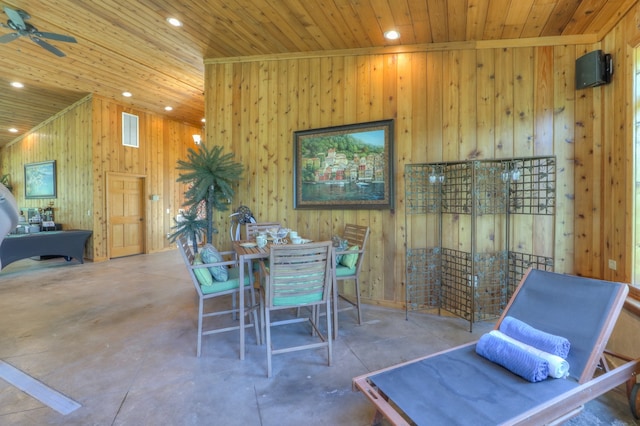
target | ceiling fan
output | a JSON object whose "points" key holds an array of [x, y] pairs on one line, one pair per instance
{"points": [[17, 23]]}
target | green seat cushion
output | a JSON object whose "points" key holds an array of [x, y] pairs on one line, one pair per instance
{"points": [[256, 265], [231, 283], [350, 260], [210, 254], [297, 300], [202, 274], [314, 288], [343, 271]]}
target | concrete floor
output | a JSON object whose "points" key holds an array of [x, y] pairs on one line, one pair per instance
{"points": [[119, 337]]}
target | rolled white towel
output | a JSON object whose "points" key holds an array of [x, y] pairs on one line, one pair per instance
{"points": [[558, 367]]}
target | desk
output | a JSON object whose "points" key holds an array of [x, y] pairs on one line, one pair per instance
{"points": [[246, 255], [69, 244]]}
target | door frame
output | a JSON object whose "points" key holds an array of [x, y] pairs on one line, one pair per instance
{"points": [[144, 207]]}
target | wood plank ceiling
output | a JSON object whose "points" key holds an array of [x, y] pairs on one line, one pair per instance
{"points": [[127, 45]]}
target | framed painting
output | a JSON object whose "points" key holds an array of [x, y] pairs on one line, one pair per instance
{"points": [[344, 167], [40, 180]]}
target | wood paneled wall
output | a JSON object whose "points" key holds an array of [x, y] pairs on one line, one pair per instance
{"points": [[449, 104], [86, 142], [65, 138], [162, 143]]}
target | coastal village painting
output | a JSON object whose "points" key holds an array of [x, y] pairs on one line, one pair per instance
{"points": [[340, 166]]}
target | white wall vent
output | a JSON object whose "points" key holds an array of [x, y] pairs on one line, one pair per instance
{"points": [[130, 130]]}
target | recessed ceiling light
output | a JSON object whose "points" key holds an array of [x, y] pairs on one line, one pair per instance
{"points": [[13, 130], [203, 120], [168, 108], [175, 22], [391, 35], [127, 94], [17, 84]]}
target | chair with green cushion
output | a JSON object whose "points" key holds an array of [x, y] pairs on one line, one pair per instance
{"points": [[224, 281], [298, 276], [347, 265]]}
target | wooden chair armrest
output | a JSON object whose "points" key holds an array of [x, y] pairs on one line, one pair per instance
{"points": [[208, 265], [233, 262]]}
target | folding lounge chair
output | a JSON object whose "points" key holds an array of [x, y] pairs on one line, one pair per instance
{"points": [[458, 386]]}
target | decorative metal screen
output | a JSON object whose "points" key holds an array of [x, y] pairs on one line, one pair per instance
{"points": [[423, 188], [456, 188], [475, 286], [520, 262], [490, 279], [490, 189], [455, 294], [532, 187], [423, 279]]}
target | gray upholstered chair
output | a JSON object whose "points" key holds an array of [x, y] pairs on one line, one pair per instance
{"points": [[298, 276]]}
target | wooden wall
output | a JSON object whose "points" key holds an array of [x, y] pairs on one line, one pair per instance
{"points": [[450, 102], [496, 99], [162, 143], [614, 220], [65, 138], [85, 141]]}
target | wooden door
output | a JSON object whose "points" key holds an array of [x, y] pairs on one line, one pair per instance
{"points": [[126, 215]]}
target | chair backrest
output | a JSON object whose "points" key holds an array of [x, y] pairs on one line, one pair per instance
{"points": [[252, 229], [357, 235], [583, 310], [185, 249], [299, 274], [188, 255]]}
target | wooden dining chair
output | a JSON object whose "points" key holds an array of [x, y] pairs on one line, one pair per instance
{"points": [[224, 280], [298, 276], [252, 229], [347, 265]]}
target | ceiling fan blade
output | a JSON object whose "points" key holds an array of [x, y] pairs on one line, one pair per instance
{"points": [[15, 17], [9, 37], [47, 46], [54, 36]]}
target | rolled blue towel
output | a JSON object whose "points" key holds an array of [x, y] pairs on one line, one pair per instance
{"points": [[524, 333], [558, 367], [515, 359]]}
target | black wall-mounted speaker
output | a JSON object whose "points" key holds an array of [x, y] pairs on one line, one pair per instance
{"points": [[593, 69]]}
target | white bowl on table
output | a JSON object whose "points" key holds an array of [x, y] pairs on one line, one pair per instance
{"points": [[278, 235]]}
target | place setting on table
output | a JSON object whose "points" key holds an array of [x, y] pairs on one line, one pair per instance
{"points": [[258, 247], [276, 236]]}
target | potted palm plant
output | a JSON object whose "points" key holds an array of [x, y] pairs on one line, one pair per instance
{"points": [[210, 176]]}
